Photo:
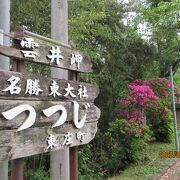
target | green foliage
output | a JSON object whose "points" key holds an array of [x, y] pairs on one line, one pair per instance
{"points": [[139, 57], [160, 118], [152, 166], [96, 27], [37, 167], [122, 144], [39, 174], [33, 14], [119, 56], [86, 164], [100, 35], [127, 141], [163, 19], [154, 3], [177, 78]]}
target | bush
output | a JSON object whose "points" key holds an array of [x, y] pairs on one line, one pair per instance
{"points": [[37, 167], [87, 168], [127, 141], [124, 140], [158, 114], [161, 120], [38, 174]]}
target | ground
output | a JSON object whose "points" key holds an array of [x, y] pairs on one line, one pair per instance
{"points": [[172, 173]]}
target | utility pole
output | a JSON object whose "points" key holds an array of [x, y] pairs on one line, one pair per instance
{"points": [[59, 31], [4, 62], [5, 26], [174, 111]]}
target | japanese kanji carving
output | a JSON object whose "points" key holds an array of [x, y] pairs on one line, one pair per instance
{"points": [[80, 136], [51, 140], [82, 92], [29, 43], [13, 89], [54, 89], [33, 87], [76, 59], [29, 54], [68, 139], [69, 91], [55, 55]]}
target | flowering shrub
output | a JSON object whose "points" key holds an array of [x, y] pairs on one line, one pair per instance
{"points": [[137, 99], [141, 95], [160, 118], [149, 97], [177, 91], [134, 115], [128, 135], [160, 86]]}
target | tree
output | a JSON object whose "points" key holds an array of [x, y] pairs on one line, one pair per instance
{"points": [[33, 14], [118, 53], [164, 21], [119, 56]]}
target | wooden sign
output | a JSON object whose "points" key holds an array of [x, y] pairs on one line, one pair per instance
{"points": [[35, 48], [92, 113], [15, 144], [39, 114], [14, 85], [52, 108]]}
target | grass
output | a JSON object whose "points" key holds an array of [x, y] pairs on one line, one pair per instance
{"points": [[151, 166]]}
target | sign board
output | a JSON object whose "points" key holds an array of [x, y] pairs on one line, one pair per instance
{"points": [[35, 48], [52, 89], [39, 114]]}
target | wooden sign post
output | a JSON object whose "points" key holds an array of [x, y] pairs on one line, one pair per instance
{"points": [[39, 114], [17, 164]]}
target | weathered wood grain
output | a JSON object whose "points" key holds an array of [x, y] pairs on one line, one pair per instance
{"points": [[43, 51], [45, 83], [33, 141], [93, 113]]}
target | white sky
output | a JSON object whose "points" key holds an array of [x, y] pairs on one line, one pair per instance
{"points": [[143, 28]]}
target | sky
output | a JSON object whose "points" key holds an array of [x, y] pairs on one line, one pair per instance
{"points": [[143, 28]]}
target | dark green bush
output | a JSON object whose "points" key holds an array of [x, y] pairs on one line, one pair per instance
{"points": [[126, 142], [161, 120], [37, 167], [39, 174], [87, 165]]}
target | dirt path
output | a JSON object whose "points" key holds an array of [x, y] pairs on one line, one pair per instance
{"points": [[172, 173]]}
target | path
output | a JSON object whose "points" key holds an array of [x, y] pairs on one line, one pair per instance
{"points": [[172, 173]]}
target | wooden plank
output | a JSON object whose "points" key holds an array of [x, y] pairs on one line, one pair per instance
{"points": [[33, 141], [45, 83], [93, 113], [44, 50]]}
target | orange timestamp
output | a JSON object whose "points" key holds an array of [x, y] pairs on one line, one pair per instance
{"points": [[169, 154]]}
